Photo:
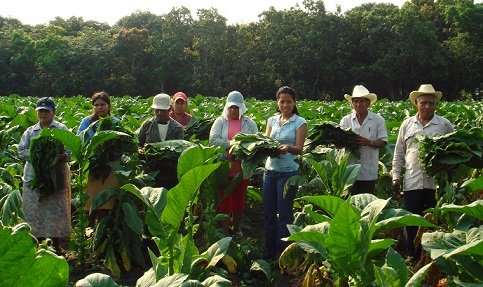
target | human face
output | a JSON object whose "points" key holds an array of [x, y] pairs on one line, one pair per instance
{"points": [[426, 105], [162, 115], [179, 107], [286, 104], [234, 112], [360, 105], [45, 117], [101, 108]]}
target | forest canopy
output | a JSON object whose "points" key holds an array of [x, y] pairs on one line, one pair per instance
{"points": [[388, 49]]}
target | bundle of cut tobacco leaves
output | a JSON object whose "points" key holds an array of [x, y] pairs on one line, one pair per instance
{"points": [[253, 150], [44, 155], [333, 134], [449, 152], [200, 129], [156, 153], [111, 150]]}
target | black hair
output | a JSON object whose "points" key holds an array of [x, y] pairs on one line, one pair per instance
{"points": [[291, 91], [103, 96]]}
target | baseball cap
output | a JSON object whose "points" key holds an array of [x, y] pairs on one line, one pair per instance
{"points": [[180, 95], [45, 103], [161, 102]]}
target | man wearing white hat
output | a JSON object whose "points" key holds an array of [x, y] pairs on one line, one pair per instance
{"points": [[418, 187], [158, 129], [372, 132], [161, 127]]}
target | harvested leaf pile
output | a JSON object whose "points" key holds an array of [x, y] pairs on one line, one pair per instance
{"points": [[448, 152], [200, 129], [110, 150], [156, 153], [44, 156], [253, 149], [328, 134]]}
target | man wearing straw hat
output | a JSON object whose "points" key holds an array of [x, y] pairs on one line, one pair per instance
{"points": [[418, 187], [372, 132]]}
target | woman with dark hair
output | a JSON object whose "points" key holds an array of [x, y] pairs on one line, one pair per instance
{"points": [[290, 129], [101, 107]]}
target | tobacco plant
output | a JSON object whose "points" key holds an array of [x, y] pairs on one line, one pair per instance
{"points": [[344, 238]]}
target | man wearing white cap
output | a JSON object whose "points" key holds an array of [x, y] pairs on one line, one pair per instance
{"points": [[418, 187], [372, 132], [161, 127], [158, 129]]}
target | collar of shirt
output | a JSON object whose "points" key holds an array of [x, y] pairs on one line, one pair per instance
{"points": [[38, 127], [434, 120], [368, 117]]}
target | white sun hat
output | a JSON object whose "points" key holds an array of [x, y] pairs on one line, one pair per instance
{"points": [[235, 98], [425, 89], [161, 102], [361, 92]]}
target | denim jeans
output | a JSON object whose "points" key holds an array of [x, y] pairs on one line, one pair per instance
{"points": [[275, 203]]}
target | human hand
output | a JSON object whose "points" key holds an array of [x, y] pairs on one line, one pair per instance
{"points": [[396, 188], [362, 141], [283, 149]]}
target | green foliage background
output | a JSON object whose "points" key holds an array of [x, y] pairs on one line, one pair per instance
{"points": [[390, 50]]}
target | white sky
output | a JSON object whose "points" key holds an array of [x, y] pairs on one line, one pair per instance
{"points": [[110, 11]]}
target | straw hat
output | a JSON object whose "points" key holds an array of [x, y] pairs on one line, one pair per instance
{"points": [[361, 92], [425, 89]]}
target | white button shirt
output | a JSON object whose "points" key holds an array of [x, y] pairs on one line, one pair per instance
{"points": [[406, 152], [373, 128]]}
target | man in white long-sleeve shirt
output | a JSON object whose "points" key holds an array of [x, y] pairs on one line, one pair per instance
{"points": [[418, 187]]}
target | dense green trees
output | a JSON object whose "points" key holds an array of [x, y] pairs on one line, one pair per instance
{"points": [[390, 50]]}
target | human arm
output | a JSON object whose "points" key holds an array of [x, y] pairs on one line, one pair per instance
{"points": [[398, 160], [142, 134], [24, 145], [362, 141], [84, 125], [217, 134], [299, 141]]}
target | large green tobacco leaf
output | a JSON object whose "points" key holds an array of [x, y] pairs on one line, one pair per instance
{"points": [[216, 251], [344, 240], [97, 280], [21, 264], [71, 141], [475, 209], [331, 204], [155, 200], [393, 273], [11, 208], [395, 218], [418, 277], [197, 156], [180, 195]]}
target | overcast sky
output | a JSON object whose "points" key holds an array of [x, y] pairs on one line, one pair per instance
{"points": [[110, 11]]}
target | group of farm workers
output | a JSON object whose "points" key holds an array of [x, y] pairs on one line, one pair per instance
{"points": [[51, 218]]}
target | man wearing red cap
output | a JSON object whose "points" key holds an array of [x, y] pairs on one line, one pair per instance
{"points": [[178, 113]]}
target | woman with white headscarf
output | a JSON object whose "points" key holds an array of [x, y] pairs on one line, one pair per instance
{"points": [[225, 127]]}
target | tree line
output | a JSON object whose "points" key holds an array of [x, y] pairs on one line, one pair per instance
{"points": [[388, 49]]}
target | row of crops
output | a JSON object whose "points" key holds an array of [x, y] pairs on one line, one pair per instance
{"points": [[336, 240]]}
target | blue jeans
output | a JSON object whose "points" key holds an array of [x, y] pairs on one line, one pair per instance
{"points": [[274, 202]]}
